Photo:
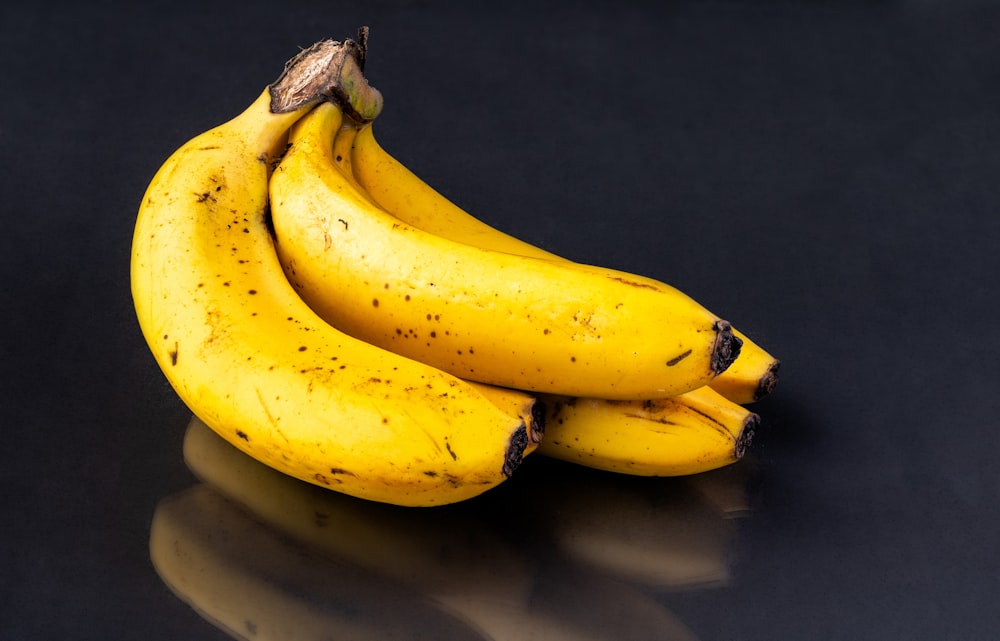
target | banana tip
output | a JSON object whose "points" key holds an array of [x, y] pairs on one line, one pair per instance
{"points": [[516, 446], [747, 434], [768, 381], [726, 348]]}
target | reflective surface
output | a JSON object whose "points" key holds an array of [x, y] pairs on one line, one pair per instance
{"points": [[821, 174]]}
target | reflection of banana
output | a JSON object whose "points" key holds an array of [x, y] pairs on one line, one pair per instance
{"points": [[252, 583], [495, 317], [398, 190], [653, 532], [448, 554], [248, 356], [685, 434], [603, 607]]}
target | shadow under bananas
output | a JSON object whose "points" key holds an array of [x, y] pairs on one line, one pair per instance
{"points": [[559, 552]]}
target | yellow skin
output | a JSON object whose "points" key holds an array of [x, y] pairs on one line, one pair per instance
{"points": [[398, 190], [689, 433], [508, 320], [253, 361]]}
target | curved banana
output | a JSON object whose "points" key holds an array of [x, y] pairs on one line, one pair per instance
{"points": [[251, 359], [498, 318], [693, 432], [405, 195], [253, 583]]}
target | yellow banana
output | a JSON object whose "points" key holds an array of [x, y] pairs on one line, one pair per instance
{"points": [[252, 360], [689, 433], [399, 191], [252, 583], [498, 318]]}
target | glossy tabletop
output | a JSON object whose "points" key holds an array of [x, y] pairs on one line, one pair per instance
{"points": [[822, 174]]}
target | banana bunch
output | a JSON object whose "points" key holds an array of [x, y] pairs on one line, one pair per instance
{"points": [[332, 316]]}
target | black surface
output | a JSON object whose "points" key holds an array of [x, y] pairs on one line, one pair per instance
{"points": [[822, 174]]}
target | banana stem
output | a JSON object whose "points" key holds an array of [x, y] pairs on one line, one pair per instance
{"points": [[328, 70]]}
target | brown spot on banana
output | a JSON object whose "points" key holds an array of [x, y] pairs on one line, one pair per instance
{"points": [[677, 359]]}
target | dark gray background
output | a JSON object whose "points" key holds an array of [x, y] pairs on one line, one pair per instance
{"points": [[823, 174]]}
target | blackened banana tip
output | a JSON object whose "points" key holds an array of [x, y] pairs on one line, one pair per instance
{"points": [[747, 434], [515, 450], [767, 382], [727, 347], [538, 416]]}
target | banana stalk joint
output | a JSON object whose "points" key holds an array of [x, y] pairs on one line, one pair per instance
{"points": [[329, 70]]}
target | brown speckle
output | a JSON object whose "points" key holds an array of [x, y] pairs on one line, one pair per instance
{"points": [[677, 359]]}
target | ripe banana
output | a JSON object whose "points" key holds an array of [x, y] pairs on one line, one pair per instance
{"points": [[494, 317], [689, 433], [252, 360], [253, 583], [399, 191]]}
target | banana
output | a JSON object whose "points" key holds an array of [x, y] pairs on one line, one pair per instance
{"points": [[693, 432], [690, 433], [251, 359], [399, 191], [494, 317], [252, 583]]}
